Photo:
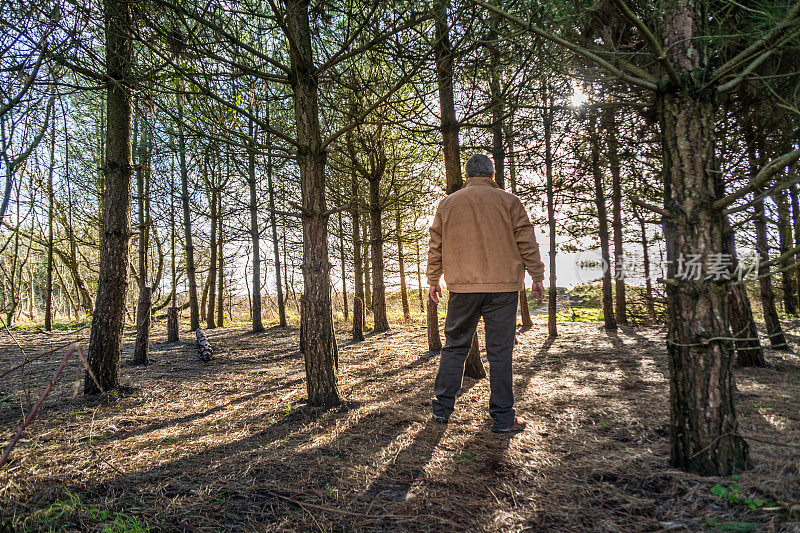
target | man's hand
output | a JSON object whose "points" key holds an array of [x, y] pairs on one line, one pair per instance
{"points": [[537, 291], [434, 293]]}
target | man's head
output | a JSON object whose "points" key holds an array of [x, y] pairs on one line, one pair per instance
{"points": [[479, 166]]}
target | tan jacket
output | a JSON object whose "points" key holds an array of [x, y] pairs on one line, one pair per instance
{"points": [[483, 241]]}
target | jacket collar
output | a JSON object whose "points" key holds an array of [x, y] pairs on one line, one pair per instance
{"points": [[481, 180]]}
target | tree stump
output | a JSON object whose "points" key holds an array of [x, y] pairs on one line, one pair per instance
{"points": [[142, 348], [204, 351], [434, 341], [172, 324], [473, 367], [358, 319]]}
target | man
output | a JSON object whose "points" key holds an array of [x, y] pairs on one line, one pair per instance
{"points": [[483, 241]]}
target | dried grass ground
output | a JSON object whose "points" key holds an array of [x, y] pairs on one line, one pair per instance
{"points": [[229, 445]]}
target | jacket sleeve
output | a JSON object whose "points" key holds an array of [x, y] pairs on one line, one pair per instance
{"points": [[526, 242], [434, 270]]}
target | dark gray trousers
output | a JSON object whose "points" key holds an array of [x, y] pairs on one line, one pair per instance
{"points": [[499, 312]]}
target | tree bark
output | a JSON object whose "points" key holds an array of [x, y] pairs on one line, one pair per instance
{"points": [[648, 283], [610, 125], [796, 233], [320, 351], [172, 325], [379, 318], [450, 144], [525, 311], [255, 233], [194, 308], [777, 340], [211, 299], [602, 222], [48, 303], [275, 248], [358, 319], [141, 352], [221, 262], [344, 268], [108, 321], [144, 305], [401, 265], [449, 126], [547, 122], [419, 277], [704, 435], [358, 271], [743, 326], [366, 268], [785, 240]]}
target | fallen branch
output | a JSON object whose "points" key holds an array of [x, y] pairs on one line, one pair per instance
{"points": [[43, 331], [37, 407], [32, 359]]}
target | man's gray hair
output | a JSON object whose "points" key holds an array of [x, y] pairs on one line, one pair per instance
{"points": [[479, 165]]}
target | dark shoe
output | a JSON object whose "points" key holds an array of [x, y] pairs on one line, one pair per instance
{"points": [[440, 419], [517, 427]]}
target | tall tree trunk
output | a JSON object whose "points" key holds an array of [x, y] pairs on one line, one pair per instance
{"points": [[255, 233], [785, 240], [610, 125], [449, 126], [316, 316], [191, 276], [358, 271], [648, 283], [704, 435], [366, 268], [221, 262], [275, 248], [379, 318], [602, 221], [525, 311], [498, 107], [451, 148], [344, 268], [48, 302], [547, 122], [141, 198], [141, 350], [108, 321], [796, 233], [777, 340], [144, 304], [172, 264], [401, 264], [419, 276], [743, 326], [211, 300]]}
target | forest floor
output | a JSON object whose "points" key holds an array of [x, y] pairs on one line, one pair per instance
{"points": [[230, 445]]}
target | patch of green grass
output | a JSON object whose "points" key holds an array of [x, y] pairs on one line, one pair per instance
{"points": [[100, 436], [734, 494], [70, 507], [170, 440], [8, 399], [577, 314], [57, 326], [123, 523], [469, 456]]}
